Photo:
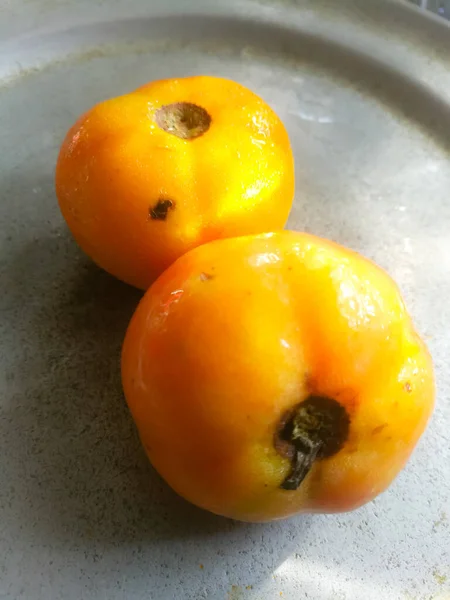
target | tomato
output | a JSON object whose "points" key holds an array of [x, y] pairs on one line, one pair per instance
{"points": [[276, 374], [144, 177]]}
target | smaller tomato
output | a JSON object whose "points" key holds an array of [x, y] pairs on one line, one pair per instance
{"points": [[275, 374], [145, 177]]}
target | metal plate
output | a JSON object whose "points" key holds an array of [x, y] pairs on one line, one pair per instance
{"points": [[364, 89]]}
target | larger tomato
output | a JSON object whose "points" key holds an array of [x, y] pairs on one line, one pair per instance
{"points": [[275, 374]]}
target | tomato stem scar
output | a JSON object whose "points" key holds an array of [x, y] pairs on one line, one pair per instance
{"points": [[315, 429], [183, 119]]}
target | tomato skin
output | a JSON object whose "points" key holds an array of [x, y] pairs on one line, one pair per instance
{"points": [[237, 333], [136, 196]]}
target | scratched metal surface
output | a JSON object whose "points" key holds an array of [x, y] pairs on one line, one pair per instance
{"points": [[364, 89], [439, 7]]}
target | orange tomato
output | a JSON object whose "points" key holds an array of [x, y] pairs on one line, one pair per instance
{"points": [[275, 374], [145, 177]]}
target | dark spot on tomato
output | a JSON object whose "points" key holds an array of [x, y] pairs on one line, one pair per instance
{"points": [[206, 276], [159, 211], [407, 387], [379, 429]]}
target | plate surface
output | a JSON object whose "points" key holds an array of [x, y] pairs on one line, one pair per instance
{"points": [[364, 89]]}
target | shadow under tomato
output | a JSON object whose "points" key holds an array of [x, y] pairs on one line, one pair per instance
{"points": [[79, 443], [79, 476]]}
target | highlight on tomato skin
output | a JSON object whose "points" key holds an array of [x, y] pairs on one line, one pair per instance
{"points": [[145, 177], [276, 374]]}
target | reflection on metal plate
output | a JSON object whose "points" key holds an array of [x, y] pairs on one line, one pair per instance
{"points": [[439, 7]]}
